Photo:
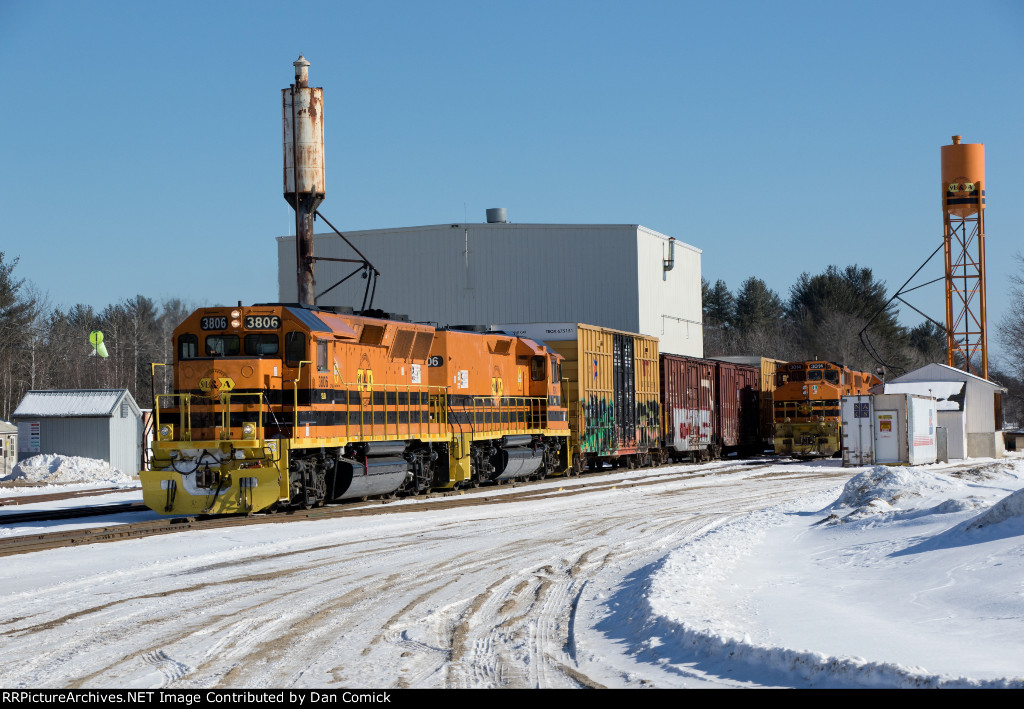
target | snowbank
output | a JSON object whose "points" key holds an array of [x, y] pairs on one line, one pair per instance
{"points": [[56, 469], [886, 550]]}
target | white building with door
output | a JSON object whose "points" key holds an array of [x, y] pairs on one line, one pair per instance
{"points": [[103, 424], [979, 405]]}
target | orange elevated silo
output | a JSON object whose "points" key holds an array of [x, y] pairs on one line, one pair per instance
{"points": [[963, 215], [963, 177]]}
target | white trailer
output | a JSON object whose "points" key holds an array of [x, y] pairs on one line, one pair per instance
{"points": [[888, 429]]}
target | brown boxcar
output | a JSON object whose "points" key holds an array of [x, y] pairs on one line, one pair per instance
{"points": [[738, 394], [688, 407], [768, 368]]}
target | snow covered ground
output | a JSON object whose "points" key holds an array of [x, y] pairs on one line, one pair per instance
{"points": [[719, 575]]}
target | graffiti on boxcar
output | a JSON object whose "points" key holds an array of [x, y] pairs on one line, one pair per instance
{"points": [[598, 434], [648, 430]]}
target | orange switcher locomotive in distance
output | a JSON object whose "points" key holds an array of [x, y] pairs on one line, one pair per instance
{"points": [[807, 396], [278, 406]]}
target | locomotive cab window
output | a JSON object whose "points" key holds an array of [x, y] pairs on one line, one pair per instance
{"points": [[832, 376], [260, 345], [221, 345], [556, 371], [294, 348], [321, 356], [188, 347], [537, 370], [814, 375]]}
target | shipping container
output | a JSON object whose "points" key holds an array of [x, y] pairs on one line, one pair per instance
{"points": [[611, 384], [738, 395], [688, 407], [888, 429]]}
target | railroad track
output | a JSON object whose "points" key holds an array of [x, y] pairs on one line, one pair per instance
{"points": [[70, 513], [498, 494]]}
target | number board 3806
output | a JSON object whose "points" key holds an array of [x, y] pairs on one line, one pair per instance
{"points": [[262, 322], [214, 322]]}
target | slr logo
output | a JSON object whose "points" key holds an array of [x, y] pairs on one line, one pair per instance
{"points": [[216, 383]]}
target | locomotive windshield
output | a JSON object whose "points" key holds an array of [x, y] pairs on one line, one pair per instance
{"points": [[258, 345], [188, 347], [222, 345]]}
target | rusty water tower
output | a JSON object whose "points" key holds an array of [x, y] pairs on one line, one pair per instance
{"points": [[302, 113], [963, 215]]}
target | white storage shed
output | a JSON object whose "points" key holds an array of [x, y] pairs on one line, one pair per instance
{"points": [[981, 407], [104, 424], [887, 429], [621, 276]]}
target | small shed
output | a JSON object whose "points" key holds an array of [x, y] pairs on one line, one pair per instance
{"points": [[105, 424], [888, 429], [981, 407], [8, 447]]}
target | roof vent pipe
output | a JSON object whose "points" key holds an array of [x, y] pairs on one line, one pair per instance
{"points": [[497, 215]]}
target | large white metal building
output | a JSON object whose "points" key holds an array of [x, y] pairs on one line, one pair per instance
{"points": [[621, 276]]}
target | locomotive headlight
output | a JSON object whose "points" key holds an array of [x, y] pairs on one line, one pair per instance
{"points": [[236, 313], [248, 431], [166, 431], [235, 323]]}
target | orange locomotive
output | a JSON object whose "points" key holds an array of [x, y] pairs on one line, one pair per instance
{"points": [[807, 394], [278, 406]]}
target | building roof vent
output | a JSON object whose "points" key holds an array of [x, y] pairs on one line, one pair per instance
{"points": [[497, 215]]}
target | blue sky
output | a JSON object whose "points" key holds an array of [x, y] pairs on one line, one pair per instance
{"points": [[141, 141]]}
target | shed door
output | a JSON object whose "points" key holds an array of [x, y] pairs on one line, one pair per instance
{"points": [[887, 449]]}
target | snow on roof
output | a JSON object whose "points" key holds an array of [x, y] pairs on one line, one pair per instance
{"points": [[949, 395], [71, 402], [7, 427]]}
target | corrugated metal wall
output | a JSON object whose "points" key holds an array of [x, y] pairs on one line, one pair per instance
{"points": [[479, 274], [82, 436], [126, 441]]}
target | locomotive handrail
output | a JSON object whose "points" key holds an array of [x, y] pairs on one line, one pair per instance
{"points": [[534, 408], [226, 413], [436, 398], [295, 391], [184, 413]]}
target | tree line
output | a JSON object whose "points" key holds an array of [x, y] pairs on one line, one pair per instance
{"points": [[845, 315], [44, 347], [842, 314]]}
